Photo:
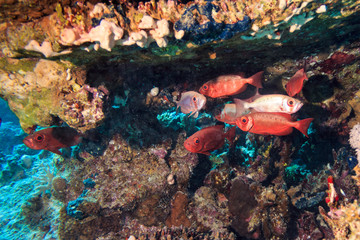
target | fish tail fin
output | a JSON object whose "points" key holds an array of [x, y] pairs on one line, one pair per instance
{"points": [[303, 125], [230, 135], [241, 106], [255, 79]]}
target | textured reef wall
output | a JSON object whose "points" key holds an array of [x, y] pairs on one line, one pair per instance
{"points": [[115, 71], [43, 92]]}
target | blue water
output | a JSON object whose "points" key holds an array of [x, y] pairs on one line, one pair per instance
{"points": [[24, 175]]}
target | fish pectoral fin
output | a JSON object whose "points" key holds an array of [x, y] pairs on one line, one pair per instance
{"points": [[194, 114], [206, 153], [55, 150]]}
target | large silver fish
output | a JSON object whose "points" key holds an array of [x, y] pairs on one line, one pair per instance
{"points": [[269, 103]]}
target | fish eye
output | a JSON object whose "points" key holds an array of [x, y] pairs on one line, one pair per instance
{"points": [[244, 120], [290, 103], [194, 99], [196, 141], [205, 87], [39, 138]]}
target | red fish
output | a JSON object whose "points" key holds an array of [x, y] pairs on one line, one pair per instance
{"points": [[296, 83], [209, 139], [279, 124], [228, 85], [52, 139]]}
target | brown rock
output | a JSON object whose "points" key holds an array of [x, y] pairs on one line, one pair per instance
{"points": [[178, 211]]}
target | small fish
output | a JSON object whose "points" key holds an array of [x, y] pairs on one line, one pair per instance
{"points": [[279, 124], [52, 139], [209, 139], [296, 83], [229, 114], [270, 103], [191, 102], [228, 85]]}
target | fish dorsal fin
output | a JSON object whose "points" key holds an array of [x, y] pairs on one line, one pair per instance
{"points": [[253, 98], [241, 74], [257, 95]]}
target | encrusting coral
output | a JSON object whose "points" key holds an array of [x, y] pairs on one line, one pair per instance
{"points": [[51, 90], [126, 23]]}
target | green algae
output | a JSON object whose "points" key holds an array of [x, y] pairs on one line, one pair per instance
{"points": [[59, 13], [26, 65], [37, 109], [18, 37]]}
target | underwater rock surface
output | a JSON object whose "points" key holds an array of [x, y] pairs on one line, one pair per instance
{"points": [[115, 71]]}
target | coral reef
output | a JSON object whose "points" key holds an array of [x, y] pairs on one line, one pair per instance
{"points": [[241, 203], [198, 24], [115, 71], [211, 209], [49, 92], [128, 23]]}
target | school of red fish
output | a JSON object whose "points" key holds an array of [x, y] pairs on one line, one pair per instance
{"points": [[261, 114]]}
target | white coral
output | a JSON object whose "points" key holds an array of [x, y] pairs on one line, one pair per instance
{"points": [[68, 36], [45, 48], [355, 136], [139, 38], [355, 139], [107, 34], [98, 10], [162, 29], [160, 32], [147, 22]]}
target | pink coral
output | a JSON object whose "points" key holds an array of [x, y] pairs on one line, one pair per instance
{"points": [[355, 139]]}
